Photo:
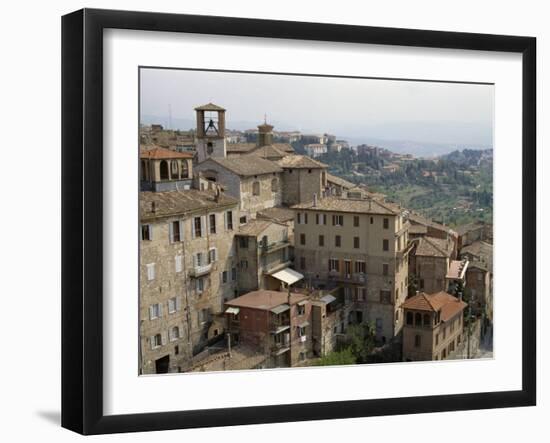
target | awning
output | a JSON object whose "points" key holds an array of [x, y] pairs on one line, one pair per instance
{"points": [[281, 308], [282, 351], [302, 303], [328, 298], [232, 310], [280, 329], [304, 324], [289, 276]]}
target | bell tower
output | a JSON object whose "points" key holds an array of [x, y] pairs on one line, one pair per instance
{"points": [[210, 131]]}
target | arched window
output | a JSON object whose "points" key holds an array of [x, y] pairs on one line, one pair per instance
{"points": [[209, 148], [274, 185], [184, 169], [143, 170], [164, 170], [174, 170], [410, 318], [256, 188], [427, 320], [418, 319]]}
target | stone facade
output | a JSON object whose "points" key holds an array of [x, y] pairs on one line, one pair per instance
{"points": [[365, 252], [300, 184], [187, 271]]}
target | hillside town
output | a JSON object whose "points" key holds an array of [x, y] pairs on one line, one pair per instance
{"points": [[254, 255]]}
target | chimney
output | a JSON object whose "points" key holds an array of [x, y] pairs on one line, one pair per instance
{"points": [[314, 199]]}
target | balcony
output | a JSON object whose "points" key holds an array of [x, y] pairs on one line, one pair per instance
{"points": [[198, 271], [271, 247], [359, 277]]}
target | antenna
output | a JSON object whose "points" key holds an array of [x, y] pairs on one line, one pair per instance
{"points": [[265, 118]]}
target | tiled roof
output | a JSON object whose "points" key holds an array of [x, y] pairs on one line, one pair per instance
{"points": [[421, 220], [433, 247], [240, 147], [154, 205], [463, 229], [457, 269], [162, 153], [481, 250], [340, 181], [265, 300], [209, 107], [338, 204], [269, 152], [254, 227], [418, 229], [247, 165], [447, 303], [284, 147], [277, 213], [300, 162]]}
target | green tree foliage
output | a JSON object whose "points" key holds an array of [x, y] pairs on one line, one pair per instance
{"points": [[337, 358]]}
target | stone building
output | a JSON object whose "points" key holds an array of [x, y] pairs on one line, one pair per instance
{"points": [[262, 250], [429, 262], [315, 149], [254, 181], [338, 186], [188, 269], [433, 328], [425, 227], [276, 324], [210, 136], [360, 245], [302, 178], [163, 169], [474, 232], [479, 283]]}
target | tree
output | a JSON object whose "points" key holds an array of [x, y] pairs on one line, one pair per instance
{"points": [[360, 339], [336, 358]]}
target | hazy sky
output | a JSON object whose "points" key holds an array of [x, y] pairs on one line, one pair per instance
{"points": [[388, 109]]}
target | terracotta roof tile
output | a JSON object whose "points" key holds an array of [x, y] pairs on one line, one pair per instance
{"points": [[247, 165], [447, 303], [209, 107], [338, 204], [163, 153], [300, 162], [265, 300]]}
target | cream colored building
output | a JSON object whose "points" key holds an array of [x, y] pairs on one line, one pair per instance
{"points": [[188, 269], [361, 245]]}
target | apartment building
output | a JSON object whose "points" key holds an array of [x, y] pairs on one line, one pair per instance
{"points": [[276, 324], [433, 328], [188, 269], [361, 245]]}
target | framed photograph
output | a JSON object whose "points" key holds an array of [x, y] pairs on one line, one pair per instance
{"points": [[269, 221]]}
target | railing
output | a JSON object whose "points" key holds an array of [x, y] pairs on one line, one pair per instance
{"points": [[275, 246], [359, 277], [197, 271]]}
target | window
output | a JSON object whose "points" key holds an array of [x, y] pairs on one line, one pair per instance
{"points": [[316, 219], [386, 223], [174, 333], [337, 220], [427, 320], [385, 245], [301, 331], [197, 224], [301, 309], [361, 294], [243, 242], [333, 265], [385, 296], [164, 170], [385, 268], [302, 263], [305, 218], [256, 188], [356, 221], [199, 285], [337, 241], [229, 220], [321, 240], [197, 259], [418, 319], [356, 242], [299, 218], [360, 267], [184, 169], [212, 222], [146, 232], [372, 220], [302, 239], [172, 305], [178, 262], [274, 185], [156, 341], [204, 315], [233, 274], [150, 271], [417, 341], [176, 231], [437, 339], [242, 220], [410, 318], [244, 264], [224, 277], [212, 255], [155, 311], [323, 219], [174, 169], [209, 148]]}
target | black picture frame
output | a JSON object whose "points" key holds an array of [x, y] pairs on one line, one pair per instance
{"points": [[82, 215]]}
